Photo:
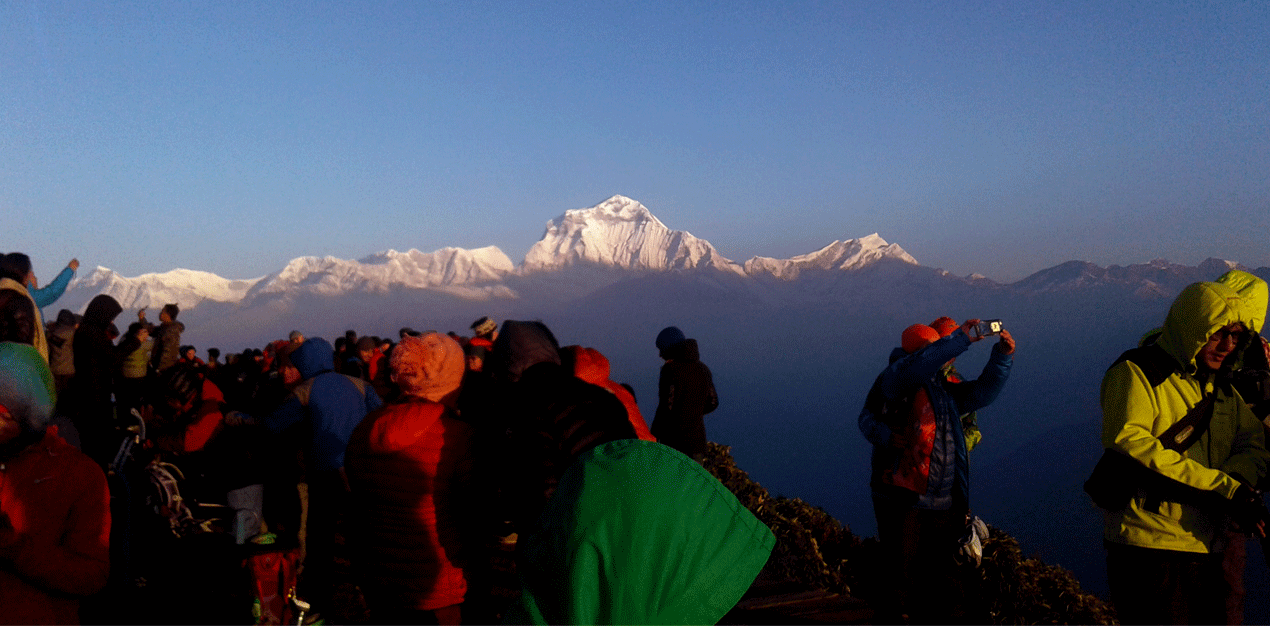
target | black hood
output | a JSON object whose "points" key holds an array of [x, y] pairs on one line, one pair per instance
{"points": [[65, 318], [101, 311], [521, 345], [685, 350]]}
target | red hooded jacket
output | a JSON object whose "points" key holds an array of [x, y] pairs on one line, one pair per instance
{"points": [[591, 366], [57, 546], [408, 464]]}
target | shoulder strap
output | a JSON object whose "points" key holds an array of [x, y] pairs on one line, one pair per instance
{"points": [[1185, 432], [1154, 362], [305, 389], [357, 382]]}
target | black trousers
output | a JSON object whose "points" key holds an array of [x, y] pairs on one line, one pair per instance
{"points": [[919, 549], [1156, 587], [328, 501]]}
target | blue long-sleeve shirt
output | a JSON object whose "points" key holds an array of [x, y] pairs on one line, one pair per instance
{"points": [[50, 292]]}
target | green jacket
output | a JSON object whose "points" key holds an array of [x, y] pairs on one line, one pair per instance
{"points": [[1135, 413], [638, 534]]}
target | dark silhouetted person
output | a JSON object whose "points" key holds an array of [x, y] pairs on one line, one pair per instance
{"points": [[685, 394]]}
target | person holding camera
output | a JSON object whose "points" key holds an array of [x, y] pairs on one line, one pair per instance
{"points": [[920, 465], [1194, 452]]}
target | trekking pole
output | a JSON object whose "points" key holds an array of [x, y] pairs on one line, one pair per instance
{"points": [[125, 448], [300, 605]]}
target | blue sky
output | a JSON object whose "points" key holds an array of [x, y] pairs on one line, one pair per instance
{"points": [[990, 137]]}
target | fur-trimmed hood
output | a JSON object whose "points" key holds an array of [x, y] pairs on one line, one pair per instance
{"points": [[26, 390]]}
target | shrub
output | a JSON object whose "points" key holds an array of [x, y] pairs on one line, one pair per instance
{"points": [[814, 549]]}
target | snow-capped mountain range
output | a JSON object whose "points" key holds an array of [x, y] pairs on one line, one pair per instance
{"points": [[619, 234], [618, 238]]}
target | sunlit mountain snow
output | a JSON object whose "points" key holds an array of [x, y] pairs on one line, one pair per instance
{"points": [[621, 233], [846, 255]]}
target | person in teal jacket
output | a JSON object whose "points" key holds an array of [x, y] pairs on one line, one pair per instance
{"points": [[53, 291], [638, 533]]}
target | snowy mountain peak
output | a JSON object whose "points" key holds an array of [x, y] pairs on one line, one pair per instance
{"points": [[446, 267], [844, 255], [183, 287], [616, 209], [621, 233]]}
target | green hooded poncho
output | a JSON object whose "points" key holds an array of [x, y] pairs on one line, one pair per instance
{"points": [[639, 534]]}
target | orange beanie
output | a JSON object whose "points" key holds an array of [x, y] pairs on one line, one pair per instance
{"points": [[917, 336], [944, 326], [429, 367]]}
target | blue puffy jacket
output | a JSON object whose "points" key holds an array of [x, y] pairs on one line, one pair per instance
{"points": [[948, 476], [333, 404]]}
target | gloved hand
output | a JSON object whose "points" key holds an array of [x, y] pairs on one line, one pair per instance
{"points": [[1248, 511], [239, 419]]}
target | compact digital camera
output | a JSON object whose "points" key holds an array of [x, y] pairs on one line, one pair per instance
{"points": [[989, 327]]}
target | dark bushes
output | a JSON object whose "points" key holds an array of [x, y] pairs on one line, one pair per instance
{"points": [[814, 549]]}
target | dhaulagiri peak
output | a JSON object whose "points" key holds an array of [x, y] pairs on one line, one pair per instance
{"points": [[620, 232]]}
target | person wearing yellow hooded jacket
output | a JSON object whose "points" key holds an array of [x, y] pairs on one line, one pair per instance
{"points": [[1163, 560]]}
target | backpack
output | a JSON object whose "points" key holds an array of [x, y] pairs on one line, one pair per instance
{"points": [[165, 498], [1252, 379], [906, 468]]}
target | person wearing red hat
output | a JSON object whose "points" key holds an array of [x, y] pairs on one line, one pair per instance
{"points": [[945, 326], [969, 421], [409, 466], [920, 465]]}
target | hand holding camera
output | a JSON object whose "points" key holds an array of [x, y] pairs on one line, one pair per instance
{"points": [[977, 329], [1006, 345]]}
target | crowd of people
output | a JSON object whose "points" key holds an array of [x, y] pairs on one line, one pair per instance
{"points": [[394, 464], [414, 457]]}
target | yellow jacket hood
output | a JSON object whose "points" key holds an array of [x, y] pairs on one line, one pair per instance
{"points": [[1255, 293], [1199, 311]]}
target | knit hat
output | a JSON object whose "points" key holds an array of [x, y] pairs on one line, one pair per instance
{"points": [[429, 367], [483, 326], [669, 336], [26, 387], [918, 336], [944, 326]]}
